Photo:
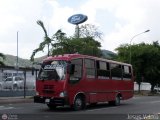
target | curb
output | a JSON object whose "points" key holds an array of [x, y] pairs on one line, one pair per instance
{"points": [[12, 100]]}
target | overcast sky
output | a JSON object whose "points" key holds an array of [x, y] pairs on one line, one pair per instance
{"points": [[119, 20]]}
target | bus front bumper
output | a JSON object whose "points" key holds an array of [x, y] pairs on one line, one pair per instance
{"points": [[49, 100]]}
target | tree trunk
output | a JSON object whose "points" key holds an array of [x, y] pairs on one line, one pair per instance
{"points": [[152, 88], [139, 87]]}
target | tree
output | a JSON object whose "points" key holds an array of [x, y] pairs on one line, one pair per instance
{"points": [[152, 71], [2, 57], [145, 61], [123, 53], [47, 41], [60, 43], [85, 44], [89, 30]]}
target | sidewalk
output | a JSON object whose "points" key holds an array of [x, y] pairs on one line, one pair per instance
{"points": [[14, 100]]}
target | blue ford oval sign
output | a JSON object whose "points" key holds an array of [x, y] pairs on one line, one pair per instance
{"points": [[77, 19]]}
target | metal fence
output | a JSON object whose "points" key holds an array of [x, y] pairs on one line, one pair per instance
{"points": [[19, 81]]}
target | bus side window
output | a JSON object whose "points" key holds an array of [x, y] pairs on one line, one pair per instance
{"points": [[75, 70], [127, 72], [116, 71], [103, 71], [90, 68]]}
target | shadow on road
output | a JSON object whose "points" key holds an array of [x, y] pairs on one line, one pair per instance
{"points": [[89, 107]]}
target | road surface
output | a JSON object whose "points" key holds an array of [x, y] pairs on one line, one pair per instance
{"points": [[137, 108]]}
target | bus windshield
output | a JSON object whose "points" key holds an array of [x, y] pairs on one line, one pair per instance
{"points": [[53, 70]]}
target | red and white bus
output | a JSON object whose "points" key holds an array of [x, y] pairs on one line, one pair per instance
{"points": [[78, 80]]}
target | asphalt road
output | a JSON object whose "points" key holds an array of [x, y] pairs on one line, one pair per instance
{"points": [[137, 108]]}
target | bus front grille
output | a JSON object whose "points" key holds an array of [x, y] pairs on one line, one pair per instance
{"points": [[48, 89]]}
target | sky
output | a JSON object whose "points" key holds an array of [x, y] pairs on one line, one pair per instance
{"points": [[118, 20]]}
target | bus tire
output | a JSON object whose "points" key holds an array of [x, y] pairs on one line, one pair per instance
{"points": [[51, 106], [116, 102], [79, 103]]}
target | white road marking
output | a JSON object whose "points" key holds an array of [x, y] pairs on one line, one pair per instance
{"points": [[5, 108], [102, 108]]}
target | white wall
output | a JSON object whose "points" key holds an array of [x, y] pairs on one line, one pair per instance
{"points": [[143, 86]]}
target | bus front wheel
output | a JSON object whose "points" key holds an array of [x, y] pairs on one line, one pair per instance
{"points": [[79, 103]]}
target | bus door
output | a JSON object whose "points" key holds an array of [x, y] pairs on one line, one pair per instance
{"points": [[76, 73]]}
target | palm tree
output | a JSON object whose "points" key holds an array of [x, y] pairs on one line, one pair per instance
{"points": [[47, 41], [60, 42], [3, 57]]}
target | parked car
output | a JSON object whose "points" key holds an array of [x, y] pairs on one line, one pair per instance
{"points": [[1, 86], [157, 89], [17, 82], [13, 83]]}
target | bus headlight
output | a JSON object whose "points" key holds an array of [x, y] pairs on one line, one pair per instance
{"points": [[63, 94], [37, 93]]}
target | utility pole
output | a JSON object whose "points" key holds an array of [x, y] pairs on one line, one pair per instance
{"points": [[17, 67]]}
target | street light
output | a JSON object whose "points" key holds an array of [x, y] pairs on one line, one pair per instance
{"points": [[133, 38]]}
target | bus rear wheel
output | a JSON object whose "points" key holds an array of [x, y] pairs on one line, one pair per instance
{"points": [[79, 103], [116, 102]]}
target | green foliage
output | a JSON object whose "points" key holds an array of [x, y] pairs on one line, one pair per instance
{"points": [[145, 59], [2, 57], [123, 53], [10, 60], [85, 44], [108, 55], [47, 41]]}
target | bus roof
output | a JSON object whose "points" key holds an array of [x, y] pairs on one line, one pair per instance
{"points": [[69, 57]]}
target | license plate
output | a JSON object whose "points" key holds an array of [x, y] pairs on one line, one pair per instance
{"points": [[47, 100]]}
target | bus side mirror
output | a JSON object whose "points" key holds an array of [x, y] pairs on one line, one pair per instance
{"points": [[72, 68]]}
